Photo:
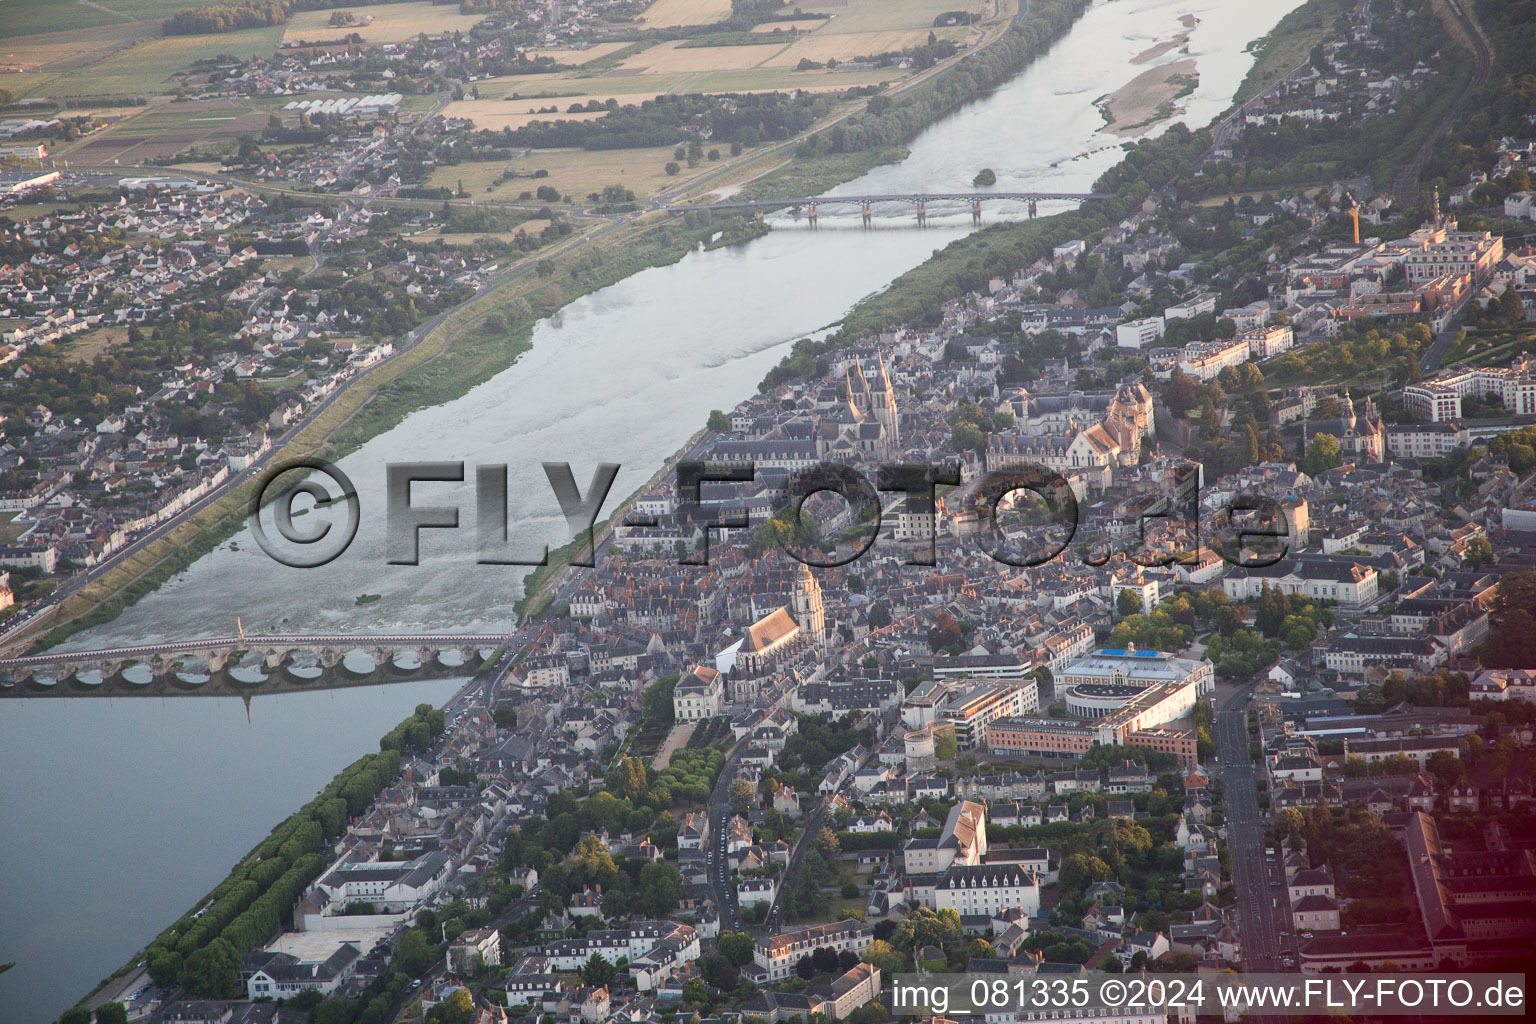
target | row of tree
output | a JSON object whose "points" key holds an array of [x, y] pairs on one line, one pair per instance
{"points": [[256, 898], [226, 17]]}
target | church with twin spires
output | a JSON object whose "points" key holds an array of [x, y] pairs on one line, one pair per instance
{"points": [[868, 423]]}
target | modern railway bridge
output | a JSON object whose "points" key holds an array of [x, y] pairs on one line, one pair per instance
{"points": [[866, 203], [245, 664]]}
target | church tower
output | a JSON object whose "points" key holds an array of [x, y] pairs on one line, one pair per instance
{"points": [[806, 605], [853, 398], [885, 412]]}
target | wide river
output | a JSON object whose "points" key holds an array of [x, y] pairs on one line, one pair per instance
{"points": [[118, 814]]}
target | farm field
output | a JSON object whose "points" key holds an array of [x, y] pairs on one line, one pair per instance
{"points": [[498, 114], [668, 13], [577, 57], [825, 44], [667, 58], [144, 68], [532, 227], [784, 27], [32, 17], [568, 88], [572, 172], [167, 129], [82, 348], [391, 23], [888, 15]]}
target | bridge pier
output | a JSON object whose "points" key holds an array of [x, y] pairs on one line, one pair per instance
{"points": [[1034, 210], [868, 215], [922, 214], [810, 214], [975, 211]]}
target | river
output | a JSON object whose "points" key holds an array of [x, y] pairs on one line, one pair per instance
{"points": [[120, 813]]}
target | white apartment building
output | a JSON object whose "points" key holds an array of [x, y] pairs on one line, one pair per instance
{"points": [[778, 954], [987, 889], [1439, 400], [1139, 333], [1269, 340]]}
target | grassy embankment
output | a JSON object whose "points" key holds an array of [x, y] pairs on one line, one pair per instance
{"points": [[1288, 44]]}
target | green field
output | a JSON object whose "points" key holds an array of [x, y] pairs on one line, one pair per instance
{"points": [[32, 17], [29, 17], [146, 68]]}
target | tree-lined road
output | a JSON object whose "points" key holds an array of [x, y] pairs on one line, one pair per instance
{"points": [[1260, 921]]}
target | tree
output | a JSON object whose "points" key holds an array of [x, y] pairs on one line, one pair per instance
{"points": [[945, 745], [1479, 553], [1289, 823], [458, 1008], [825, 841], [1128, 603], [329, 1011], [719, 422], [735, 947], [928, 927], [879, 615], [743, 795], [213, 972], [414, 954], [945, 634], [805, 967], [1510, 306], [1081, 869], [1322, 454], [884, 956], [111, 1013], [597, 971], [164, 967], [1446, 768], [672, 167], [985, 177], [661, 889], [966, 437], [75, 1015]]}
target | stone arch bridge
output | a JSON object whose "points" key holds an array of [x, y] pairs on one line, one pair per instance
{"points": [[246, 665]]}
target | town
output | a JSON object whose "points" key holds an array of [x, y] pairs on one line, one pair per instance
{"points": [[771, 747]]}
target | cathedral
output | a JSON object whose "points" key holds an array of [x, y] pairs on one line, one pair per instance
{"points": [[786, 630], [867, 424]]}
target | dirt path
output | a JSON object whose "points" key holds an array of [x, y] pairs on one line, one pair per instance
{"points": [[676, 740]]}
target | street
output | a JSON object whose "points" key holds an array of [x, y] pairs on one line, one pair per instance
{"points": [[1264, 911]]}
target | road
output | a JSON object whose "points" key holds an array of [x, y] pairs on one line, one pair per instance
{"points": [[719, 818], [812, 829], [1429, 362], [1262, 906]]}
